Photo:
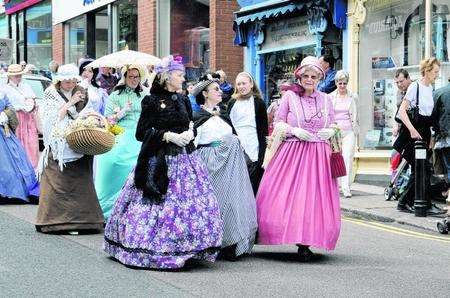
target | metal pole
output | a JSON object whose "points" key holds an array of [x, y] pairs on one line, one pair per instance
{"points": [[428, 22], [420, 204]]}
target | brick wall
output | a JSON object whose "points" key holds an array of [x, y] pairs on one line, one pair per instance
{"points": [[58, 43], [224, 54], [147, 26]]}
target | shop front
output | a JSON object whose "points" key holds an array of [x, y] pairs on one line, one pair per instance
{"points": [[393, 34], [278, 35], [96, 28], [29, 25]]}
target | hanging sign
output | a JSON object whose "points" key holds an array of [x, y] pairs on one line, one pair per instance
{"points": [[286, 33], [12, 6], [63, 10]]}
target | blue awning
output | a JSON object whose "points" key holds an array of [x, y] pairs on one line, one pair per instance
{"points": [[270, 13]]}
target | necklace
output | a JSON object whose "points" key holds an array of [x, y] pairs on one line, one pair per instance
{"points": [[318, 113]]}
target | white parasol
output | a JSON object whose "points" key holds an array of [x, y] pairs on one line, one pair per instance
{"points": [[123, 58]]}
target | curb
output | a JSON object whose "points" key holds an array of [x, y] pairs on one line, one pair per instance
{"points": [[363, 214]]}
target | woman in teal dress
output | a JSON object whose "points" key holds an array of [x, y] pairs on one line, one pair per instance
{"points": [[124, 107]]}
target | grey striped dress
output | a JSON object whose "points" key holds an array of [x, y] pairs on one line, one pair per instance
{"points": [[229, 178]]}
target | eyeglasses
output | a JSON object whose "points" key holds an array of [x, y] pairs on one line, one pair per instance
{"points": [[342, 83], [305, 77]]}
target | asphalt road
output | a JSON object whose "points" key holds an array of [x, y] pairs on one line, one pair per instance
{"points": [[371, 260]]}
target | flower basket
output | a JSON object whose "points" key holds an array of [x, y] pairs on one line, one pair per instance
{"points": [[90, 135]]}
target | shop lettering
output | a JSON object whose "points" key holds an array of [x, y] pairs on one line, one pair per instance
{"points": [[380, 26], [88, 2]]}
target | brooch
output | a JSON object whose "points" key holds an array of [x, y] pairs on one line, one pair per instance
{"points": [[163, 105]]}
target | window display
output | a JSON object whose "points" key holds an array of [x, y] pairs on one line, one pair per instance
{"points": [[39, 34], [392, 37], [76, 39]]}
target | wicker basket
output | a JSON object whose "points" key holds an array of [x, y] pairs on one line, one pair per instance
{"points": [[91, 141]]}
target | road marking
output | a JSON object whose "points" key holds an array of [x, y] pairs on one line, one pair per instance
{"points": [[395, 230]]}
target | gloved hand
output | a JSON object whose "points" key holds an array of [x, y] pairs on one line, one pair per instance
{"points": [[3, 118], [301, 134], [187, 135], [175, 138], [326, 133]]}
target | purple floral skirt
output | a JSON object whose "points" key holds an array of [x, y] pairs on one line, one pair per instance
{"points": [[186, 225]]}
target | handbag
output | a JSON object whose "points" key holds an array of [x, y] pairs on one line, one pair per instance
{"points": [[413, 113], [337, 164]]}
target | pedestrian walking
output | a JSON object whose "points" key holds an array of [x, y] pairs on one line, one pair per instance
{"points": [[441, 116], [345, 105], [220, 150], [123, 107], [298, 199], [248, 115], [97, 96], [18, 180], [417, 126], [166, 213], [22, 99], [68, 202]]}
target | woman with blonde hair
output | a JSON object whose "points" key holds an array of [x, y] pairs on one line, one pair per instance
{"points": [[417, 126], [298, 200], [346, 116], [248, 115]]}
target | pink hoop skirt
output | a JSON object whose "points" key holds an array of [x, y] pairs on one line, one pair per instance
{"points": [[27, 134], [298, 200]]}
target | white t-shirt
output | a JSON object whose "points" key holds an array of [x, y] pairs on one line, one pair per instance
{"points": [[243, 117], [426, 103]]}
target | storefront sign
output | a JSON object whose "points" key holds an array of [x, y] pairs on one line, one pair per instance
{"points": [[63, 10], [286, 33], [6, 49], [12, 6]]}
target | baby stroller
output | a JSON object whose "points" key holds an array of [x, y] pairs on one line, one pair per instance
{"points": [[399, 181]]}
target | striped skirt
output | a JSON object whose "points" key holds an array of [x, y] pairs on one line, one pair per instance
{"points": [[231, 183]]}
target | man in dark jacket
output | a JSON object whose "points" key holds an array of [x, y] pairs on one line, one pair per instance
{"points": [[441, 115], [227, 88]]}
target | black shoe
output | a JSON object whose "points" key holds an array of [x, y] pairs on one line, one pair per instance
{"points": [[305, 254], [435, 210], [405, 208]]}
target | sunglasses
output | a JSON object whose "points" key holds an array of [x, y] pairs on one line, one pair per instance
{"points": [[342, 83]]}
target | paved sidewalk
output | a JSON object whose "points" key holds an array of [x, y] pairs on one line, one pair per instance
{"points": [[368, 202]]}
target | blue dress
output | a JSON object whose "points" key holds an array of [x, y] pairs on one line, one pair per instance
{"points": [[17, 177]]}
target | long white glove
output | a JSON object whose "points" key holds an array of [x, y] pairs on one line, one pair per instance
{"points": [[301, 134], [326, 133], [3, 118], [187, 135], [175, 138]]}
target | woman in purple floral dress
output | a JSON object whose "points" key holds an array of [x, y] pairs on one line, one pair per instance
{"points": [[166, 213]]}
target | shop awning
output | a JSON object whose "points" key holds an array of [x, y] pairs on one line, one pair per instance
{"points": [[270, 13]]}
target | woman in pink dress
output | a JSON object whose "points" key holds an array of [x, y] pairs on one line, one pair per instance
{"points": [[22, 99], [298, 200]]}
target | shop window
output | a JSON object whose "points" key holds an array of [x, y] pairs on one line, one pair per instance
{"points": [[4, 32], [76, 37], [127, 33], [441, 38], [101, 33], [39, 34], [392, 37], [189, 35]]}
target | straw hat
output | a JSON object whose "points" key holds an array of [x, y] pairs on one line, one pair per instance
{"points": [[66, 72], [14, 70]]}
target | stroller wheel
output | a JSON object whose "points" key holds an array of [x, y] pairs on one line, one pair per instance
{"points": [[442, 227], [388, 193]]}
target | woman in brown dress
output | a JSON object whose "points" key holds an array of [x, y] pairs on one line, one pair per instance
{"points": [[68, 199]]}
